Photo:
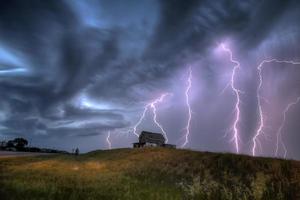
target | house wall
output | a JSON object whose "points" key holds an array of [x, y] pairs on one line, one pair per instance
{"points": [[148, 144], [143, 139]]}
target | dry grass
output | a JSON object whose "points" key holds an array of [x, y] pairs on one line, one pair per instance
{"points": [[150, 173]]}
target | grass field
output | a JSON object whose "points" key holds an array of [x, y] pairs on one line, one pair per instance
{"points": [[150, 173]]}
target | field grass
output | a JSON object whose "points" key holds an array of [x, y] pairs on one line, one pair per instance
{"points": [[150, 173]]}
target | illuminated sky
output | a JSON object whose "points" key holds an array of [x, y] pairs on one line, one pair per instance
{"points": [[71, 71]]}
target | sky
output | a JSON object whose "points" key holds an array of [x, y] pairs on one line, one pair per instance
{"points": [[71, 72]]}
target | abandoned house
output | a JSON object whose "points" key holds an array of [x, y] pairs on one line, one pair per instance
{"points": [[151, 139]]}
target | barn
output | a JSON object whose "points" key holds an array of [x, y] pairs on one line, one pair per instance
{"points": [[151, 139]]}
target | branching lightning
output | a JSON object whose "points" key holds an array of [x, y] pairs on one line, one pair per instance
{"points": [[187, 91], [152, 105], [279, 132], [108, 140], [237, 92], [140, 120], [259, 131]]}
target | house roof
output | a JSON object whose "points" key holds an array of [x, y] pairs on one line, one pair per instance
{"points": [[152, 137]]}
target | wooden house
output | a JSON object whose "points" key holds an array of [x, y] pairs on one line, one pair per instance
{"points": [[151, 139]]}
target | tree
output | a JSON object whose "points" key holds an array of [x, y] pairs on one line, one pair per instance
{"points": [[10, 143], [20, 143]]}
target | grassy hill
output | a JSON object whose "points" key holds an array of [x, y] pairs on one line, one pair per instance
{"points": [[150, 173]]}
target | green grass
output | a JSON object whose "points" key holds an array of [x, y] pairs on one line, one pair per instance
{"points": [[150, 173]]}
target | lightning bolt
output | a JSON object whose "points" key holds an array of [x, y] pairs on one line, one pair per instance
{"points": [[155, 115], [259, 131], [279, 132], [108, 140], [152, 105], [187, 91], [140, 120], [237, 92]]}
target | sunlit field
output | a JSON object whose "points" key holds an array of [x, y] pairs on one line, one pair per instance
{"points": [[150, 173]]}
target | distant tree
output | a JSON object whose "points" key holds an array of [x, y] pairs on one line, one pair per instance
{"points": [[3, 144], [33, 149], [10, 143], [20, 143]]}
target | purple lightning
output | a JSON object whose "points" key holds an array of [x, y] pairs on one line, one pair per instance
{"points": [[108, 140], [152, 105], [187, 91], [237, 92], [140, 120], [259, 131], [155, 115], [279, 132]]}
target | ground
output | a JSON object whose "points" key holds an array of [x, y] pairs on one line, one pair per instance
{"points": [[149, 173], [18, 154]]}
